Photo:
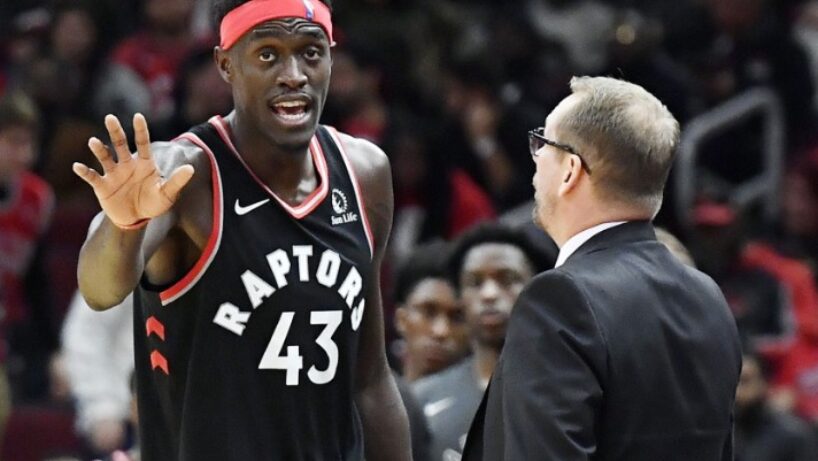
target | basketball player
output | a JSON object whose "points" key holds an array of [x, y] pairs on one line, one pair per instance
{"points": [[253, 243]]}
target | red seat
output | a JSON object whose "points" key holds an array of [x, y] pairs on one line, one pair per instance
{"points": [[34, 433]]}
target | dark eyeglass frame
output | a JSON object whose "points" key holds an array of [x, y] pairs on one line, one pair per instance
{"points": [[537, 139]]}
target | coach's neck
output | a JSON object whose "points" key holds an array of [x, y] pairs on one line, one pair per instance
{"points": [[587, 208]]}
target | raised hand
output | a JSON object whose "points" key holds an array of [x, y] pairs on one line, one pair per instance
{"points": [[132, 189]]}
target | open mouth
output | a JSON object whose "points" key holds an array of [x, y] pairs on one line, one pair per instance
{"points": [[292, 111]]}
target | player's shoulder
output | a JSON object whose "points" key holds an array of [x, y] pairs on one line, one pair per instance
{"points": [[444, 383], [364, 155], [170, 155]]}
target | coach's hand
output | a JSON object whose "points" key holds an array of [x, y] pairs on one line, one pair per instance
{"points": [[131, 189]]}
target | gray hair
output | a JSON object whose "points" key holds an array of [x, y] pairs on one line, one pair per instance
{"points": [[627, 135]]}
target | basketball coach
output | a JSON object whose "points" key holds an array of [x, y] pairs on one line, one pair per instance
{"points": [[620, 352]]}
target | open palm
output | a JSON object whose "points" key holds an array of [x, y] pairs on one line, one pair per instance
{"points": [[132, 188]]}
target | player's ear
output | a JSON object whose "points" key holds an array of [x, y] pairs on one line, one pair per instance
{"points": [[223, 63]]}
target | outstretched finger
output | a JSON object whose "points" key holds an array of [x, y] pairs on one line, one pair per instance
{"points": [[118, 138], [141, 136], [178, 179], [102, 154], [87, 174]]}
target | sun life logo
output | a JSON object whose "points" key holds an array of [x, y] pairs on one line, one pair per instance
{"points": [[340, 205], [339, 201]]}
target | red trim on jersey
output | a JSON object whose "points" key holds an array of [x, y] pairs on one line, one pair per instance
{"points": [[186, 283], [153, 325], [358, 195], [159, 361], [313, 200]]}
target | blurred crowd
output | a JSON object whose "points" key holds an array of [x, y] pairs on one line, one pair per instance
{"points": [[449, 89]]}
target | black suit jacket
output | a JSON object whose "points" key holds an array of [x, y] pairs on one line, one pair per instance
{"points": [[622, 353]]}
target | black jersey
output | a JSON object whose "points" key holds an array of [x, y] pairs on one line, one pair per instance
{"points": [[252, 355]]}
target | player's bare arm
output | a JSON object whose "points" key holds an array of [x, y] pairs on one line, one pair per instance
{"points": [[146, 227], [386, 427]]}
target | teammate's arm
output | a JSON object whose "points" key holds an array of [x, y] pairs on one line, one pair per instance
{"points": [[386, 426], [137, 205]]}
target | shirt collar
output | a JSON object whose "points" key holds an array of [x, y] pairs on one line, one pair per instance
{"points": [[579, 239]]}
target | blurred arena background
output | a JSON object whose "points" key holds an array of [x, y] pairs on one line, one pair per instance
{"points": [[449, 89]]}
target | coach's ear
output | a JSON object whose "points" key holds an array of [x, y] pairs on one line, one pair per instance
{"points": [[223, 63], [571, 168]]}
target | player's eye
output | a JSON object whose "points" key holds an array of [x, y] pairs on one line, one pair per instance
{"points": [[266, 56], [312, 53]]}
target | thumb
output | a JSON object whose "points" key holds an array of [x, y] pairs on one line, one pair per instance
{"points": [[178, 180]]}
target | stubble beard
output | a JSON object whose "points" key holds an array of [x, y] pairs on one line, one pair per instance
{"points": [[540, 209]]}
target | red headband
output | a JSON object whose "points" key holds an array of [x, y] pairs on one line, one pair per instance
{"points": [[240, 20]]}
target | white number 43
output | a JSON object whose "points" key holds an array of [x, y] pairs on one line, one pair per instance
{"points": [[293, 362]]}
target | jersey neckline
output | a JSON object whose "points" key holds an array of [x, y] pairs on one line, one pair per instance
{"points": [[312, 201]]}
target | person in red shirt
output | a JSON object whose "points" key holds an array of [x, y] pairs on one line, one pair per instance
{"points": [[142, 72], [26, 204]]}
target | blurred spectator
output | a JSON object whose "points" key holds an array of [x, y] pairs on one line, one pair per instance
{"points": [[806, 31], [199, 94], [582, 28], [490, 265], [774, 300], [142, 71], [418, 427], [433, 198], [354, 104], [675, 246], [98, 354], [19, 43], [62, 78], [800, 210], [759, 302], [59, 391], [795, 384], [635, 53], [26, 207], [5, 397], [751, 45], [429, 316], [761, 433], [484, 136]]}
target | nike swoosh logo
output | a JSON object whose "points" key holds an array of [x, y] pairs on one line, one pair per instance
{"points": [[432, 409], [243, 210]]}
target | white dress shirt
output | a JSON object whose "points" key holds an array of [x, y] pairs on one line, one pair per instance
{"points": [[578, 240]]}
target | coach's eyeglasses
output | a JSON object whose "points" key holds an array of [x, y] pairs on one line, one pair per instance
{"points": [[536, 141]]}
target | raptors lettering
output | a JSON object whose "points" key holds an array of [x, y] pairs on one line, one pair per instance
{"points": [[280, 262]]}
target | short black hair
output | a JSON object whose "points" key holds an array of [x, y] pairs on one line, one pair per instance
{"points": [[426, 262], [492, 232], [220, 8]]}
